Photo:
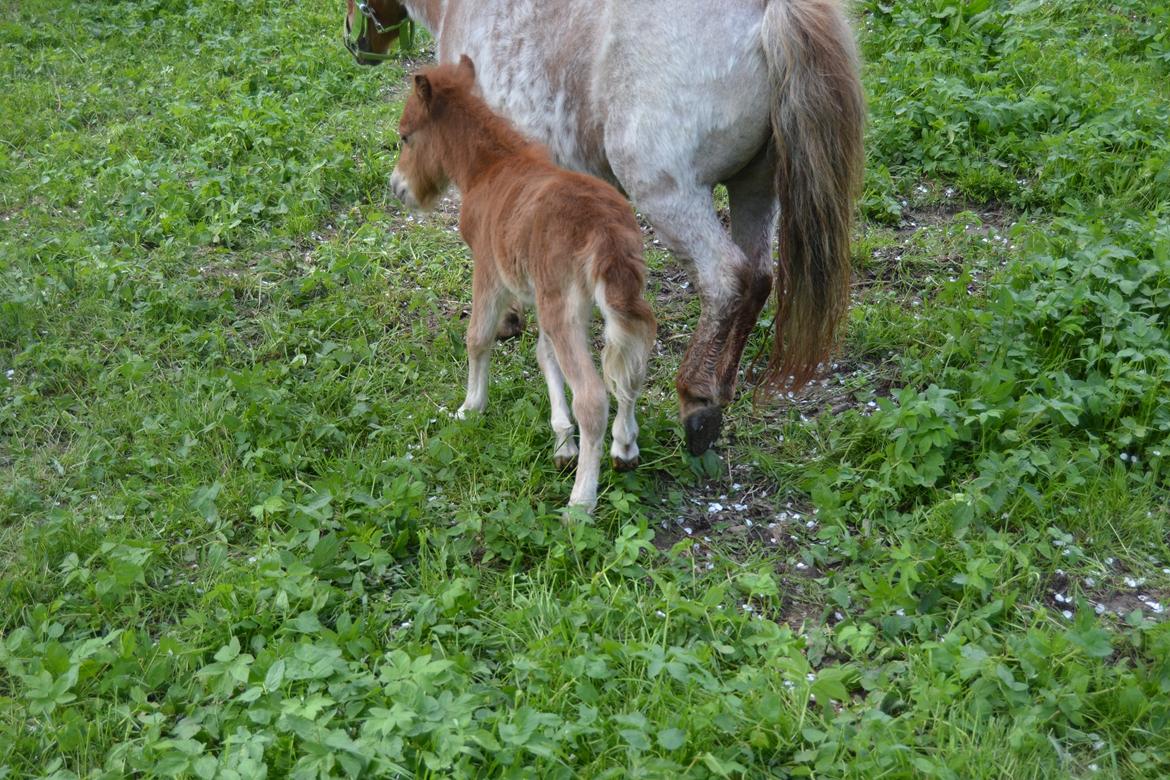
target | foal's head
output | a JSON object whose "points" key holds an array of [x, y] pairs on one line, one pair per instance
{"points": [[421, 175]]}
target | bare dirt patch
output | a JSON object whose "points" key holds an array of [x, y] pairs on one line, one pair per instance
{"points": [[1114, 595], [744, 522], [913, 268], [738, 519]]}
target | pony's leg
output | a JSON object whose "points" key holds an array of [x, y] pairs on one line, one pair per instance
{"points": [[565, 323], [754, 207], [488, 301], [513, 323], [566, 449], [726, 280]]}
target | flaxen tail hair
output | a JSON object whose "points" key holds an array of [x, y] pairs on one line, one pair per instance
{"points": [[818, 115], [619, 278]]}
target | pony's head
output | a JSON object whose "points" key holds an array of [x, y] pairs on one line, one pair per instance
{"points": [[371, 27], [421, 175]]}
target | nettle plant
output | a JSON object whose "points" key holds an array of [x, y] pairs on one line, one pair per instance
{"points": [[1062, 377]]}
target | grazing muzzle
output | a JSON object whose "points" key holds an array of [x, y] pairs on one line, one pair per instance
{"points": [[360, 19], [401, 189]]}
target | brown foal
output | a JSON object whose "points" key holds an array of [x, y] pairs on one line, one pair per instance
{"points": [[538, 235]]}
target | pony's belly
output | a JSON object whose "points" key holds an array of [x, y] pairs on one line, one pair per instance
{"points": [[687, 90], [671, 82]]}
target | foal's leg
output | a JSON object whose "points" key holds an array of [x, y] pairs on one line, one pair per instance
{"points": [[488, 301], [624, 452], [566, 449], [565, 322], [629, 338]]}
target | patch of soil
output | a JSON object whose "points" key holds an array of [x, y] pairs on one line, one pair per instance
{"points": [[798, 611], [852, 384], [739, 518], [730, 513], [1112, 596], [993, 221], [444, 215], [739, 521], [994, 217]]}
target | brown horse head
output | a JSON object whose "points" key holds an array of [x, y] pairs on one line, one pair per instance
{"points": [[371, 27], [420, 177]]}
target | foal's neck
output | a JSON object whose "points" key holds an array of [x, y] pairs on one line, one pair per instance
{"points": [[476, 139]]}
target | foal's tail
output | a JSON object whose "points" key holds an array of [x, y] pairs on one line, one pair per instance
{"points": [[619, 284], [818, 112]]}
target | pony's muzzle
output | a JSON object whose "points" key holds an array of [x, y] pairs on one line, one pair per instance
{"points": [[355, 36]]}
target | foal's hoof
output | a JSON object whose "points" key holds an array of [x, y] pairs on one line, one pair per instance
{"points": [[621, 464], [702, 429], [511, 327], [565, 463]]}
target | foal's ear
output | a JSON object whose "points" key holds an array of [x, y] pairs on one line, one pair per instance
{"points": [[467, 67], [422, 85]]}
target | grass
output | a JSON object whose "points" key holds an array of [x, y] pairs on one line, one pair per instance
{"points": [[241, 536]]}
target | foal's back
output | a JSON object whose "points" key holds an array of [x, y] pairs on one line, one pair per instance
{"points": [[541, 224]]}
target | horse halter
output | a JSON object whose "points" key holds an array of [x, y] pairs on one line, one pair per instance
{"points": [[364, 18]]}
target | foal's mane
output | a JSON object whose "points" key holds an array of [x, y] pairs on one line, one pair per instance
{"points": [[474, 134]]}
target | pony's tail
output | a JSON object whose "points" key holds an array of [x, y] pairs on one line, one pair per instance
{"points": [[619, 281], [818, 114]]}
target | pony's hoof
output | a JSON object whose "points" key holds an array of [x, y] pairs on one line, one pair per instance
{"points": [[565, 463], [511, 327], [577, 511], [574, 515], [622, 464], [702, 429]]}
